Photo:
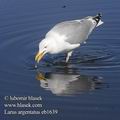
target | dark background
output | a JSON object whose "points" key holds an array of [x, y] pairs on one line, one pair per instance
{"points": [[23, 23]]}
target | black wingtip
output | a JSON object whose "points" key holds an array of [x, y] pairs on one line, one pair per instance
{"points": [[99, 15]]}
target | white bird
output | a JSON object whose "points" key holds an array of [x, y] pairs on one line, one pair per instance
{"points": [[68, 35]]}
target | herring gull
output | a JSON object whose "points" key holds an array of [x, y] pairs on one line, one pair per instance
{"points": [[67, 36]]}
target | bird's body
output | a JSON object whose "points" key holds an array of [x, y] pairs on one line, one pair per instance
{"points": [[68, 35], [74, 32]]}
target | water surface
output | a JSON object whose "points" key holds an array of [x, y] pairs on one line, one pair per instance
{"points": [[88, 87]]}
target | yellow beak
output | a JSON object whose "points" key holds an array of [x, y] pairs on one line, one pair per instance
{"points": [[39, 56]]}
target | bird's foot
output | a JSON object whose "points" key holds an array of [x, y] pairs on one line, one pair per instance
{"points": [[68, 56]]}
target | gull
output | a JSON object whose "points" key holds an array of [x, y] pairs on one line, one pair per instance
{"points": [[66, 36]]}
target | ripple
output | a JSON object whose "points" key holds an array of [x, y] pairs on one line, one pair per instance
{"points": [[53, 71], [19, 42], [86, 76], [87, 57]]}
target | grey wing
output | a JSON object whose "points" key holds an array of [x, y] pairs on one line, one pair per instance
{"points": [[76, 31]]}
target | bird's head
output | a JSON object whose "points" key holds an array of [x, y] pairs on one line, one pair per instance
{"points": [[44, 48]]}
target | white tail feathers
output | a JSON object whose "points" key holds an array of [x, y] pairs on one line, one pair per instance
{"points": [[99, 23]]}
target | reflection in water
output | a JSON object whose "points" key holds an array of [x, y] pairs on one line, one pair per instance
{"points": [[65, 79], [68, 84]]}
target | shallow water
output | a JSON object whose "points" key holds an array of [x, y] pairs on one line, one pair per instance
{"points": [[88, 86]]}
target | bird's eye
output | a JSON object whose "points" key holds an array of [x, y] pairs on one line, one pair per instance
{"points": [[45, 46]]}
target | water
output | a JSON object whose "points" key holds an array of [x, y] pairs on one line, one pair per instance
{"points": [[88, 86]]}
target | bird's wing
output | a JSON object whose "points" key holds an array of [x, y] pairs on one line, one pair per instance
{"points": [[75, 31]]}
